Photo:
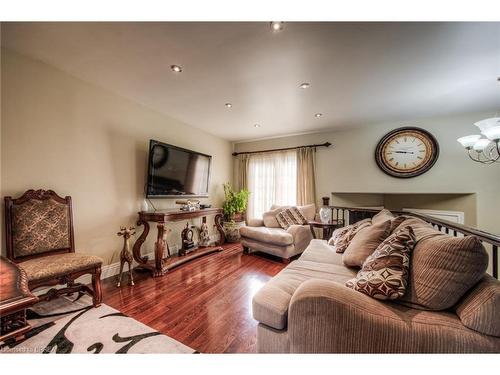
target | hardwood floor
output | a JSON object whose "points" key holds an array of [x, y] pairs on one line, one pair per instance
{"points": [[206, 304]]}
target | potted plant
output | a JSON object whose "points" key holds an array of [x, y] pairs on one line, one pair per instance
{"points": [[234, 207], [235, 203]]}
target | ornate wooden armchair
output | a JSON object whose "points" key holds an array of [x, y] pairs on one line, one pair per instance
{"points": [[39, 233]]}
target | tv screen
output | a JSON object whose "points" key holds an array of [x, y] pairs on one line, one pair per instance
{"points": [[175, 172]]}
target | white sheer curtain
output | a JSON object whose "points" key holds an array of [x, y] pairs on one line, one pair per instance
{"points": [[272, 179]]}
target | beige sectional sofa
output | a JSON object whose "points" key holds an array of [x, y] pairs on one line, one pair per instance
{"points": [[266, 235], [307, 308]]}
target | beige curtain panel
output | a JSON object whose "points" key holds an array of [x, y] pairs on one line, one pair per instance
{"points": [[306, 176], [242, 171]]}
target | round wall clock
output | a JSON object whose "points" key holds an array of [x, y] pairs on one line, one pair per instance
{"points": [[407, 152]]}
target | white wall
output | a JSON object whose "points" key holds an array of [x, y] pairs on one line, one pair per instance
{"points": [[78, 139], [349, 166]]}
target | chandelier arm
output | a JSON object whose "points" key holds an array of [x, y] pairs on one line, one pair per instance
{"points": [[478, 158], [494, 158]]}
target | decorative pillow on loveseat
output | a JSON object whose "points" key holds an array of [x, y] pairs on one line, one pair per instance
{"points": [[341, 237], [365, 242], [290, 216], [269, 217], [385, 273]]}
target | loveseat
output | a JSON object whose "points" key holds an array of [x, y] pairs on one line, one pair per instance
{"points": [[266, 234], [307, 307]]}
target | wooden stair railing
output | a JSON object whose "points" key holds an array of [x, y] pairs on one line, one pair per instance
{"points": [[490, 241]]}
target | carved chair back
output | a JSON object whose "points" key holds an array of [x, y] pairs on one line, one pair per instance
{"points": [[39, 223]]}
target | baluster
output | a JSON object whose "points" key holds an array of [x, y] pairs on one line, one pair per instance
{"points": [[495, 261], [455, 233], [446, 230]]}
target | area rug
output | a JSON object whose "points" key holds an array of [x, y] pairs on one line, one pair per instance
{"points": [[72, 325]]}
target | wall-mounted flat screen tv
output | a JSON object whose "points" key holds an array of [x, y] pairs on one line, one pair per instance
{"points": [[175, 172]]}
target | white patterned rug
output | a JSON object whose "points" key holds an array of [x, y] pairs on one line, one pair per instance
{"points": [[73, 325]]}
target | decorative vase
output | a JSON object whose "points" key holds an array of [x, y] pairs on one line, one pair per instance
{"points": [[144, 205], [325, 212], [232, 230]]}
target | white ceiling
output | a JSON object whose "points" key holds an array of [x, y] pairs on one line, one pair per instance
{"points": [[360, 73]]}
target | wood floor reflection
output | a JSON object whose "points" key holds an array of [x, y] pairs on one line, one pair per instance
{"points": [[206, 304]]}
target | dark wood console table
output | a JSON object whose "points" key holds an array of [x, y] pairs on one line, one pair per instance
{"points": [[160, 265], [15, 297]]}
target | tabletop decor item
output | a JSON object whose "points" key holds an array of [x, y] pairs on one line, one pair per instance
{"points": [[407, 152], [126, 254], [204, 235], [325, 212]]}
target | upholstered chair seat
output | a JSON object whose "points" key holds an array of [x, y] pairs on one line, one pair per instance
{"points": [[55, 266], [40, 240]]}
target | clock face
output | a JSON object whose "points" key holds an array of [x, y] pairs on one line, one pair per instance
{"points": [[407, 152]]}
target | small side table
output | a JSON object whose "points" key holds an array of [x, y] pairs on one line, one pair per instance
{"points": [[15, 297], [328, 228]]}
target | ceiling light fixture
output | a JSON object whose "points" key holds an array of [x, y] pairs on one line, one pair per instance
{"points": [[256, 126], [276, 26], [485, 147], [484, 150], [228, 105], [318, 115], [176, 68], [305, 85]]}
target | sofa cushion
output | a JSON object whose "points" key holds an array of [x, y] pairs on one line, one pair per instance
{"points": [[382, 216], [319, 251], [269, 218], [51, 266], [270, 304], [276, 236], [421, 229], [443, 269], [480, 308], [341, 237], [385, 272], [364, 243]]}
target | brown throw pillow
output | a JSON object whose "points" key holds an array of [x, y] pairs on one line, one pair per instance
{"points": [[365, 242], [385, 273], [443, 269], [382, 216], [341, 237]]}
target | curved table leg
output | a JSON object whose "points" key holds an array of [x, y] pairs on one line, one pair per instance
{"points": [[136, 250]]}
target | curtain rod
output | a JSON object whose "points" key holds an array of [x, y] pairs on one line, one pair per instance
{"points": [[326, 144]]}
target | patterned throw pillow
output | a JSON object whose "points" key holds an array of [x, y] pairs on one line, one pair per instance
{"points": [[297, 216], [342, 237], [385, 273], [290, 216]]}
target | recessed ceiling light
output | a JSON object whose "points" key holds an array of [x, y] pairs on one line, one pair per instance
{"points": [[228, 105], [276, 26], [305, 85], [256, 126], [176, 68], [318, 115]]}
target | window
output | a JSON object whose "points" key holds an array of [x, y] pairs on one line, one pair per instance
{"points": [[272, 179]]}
